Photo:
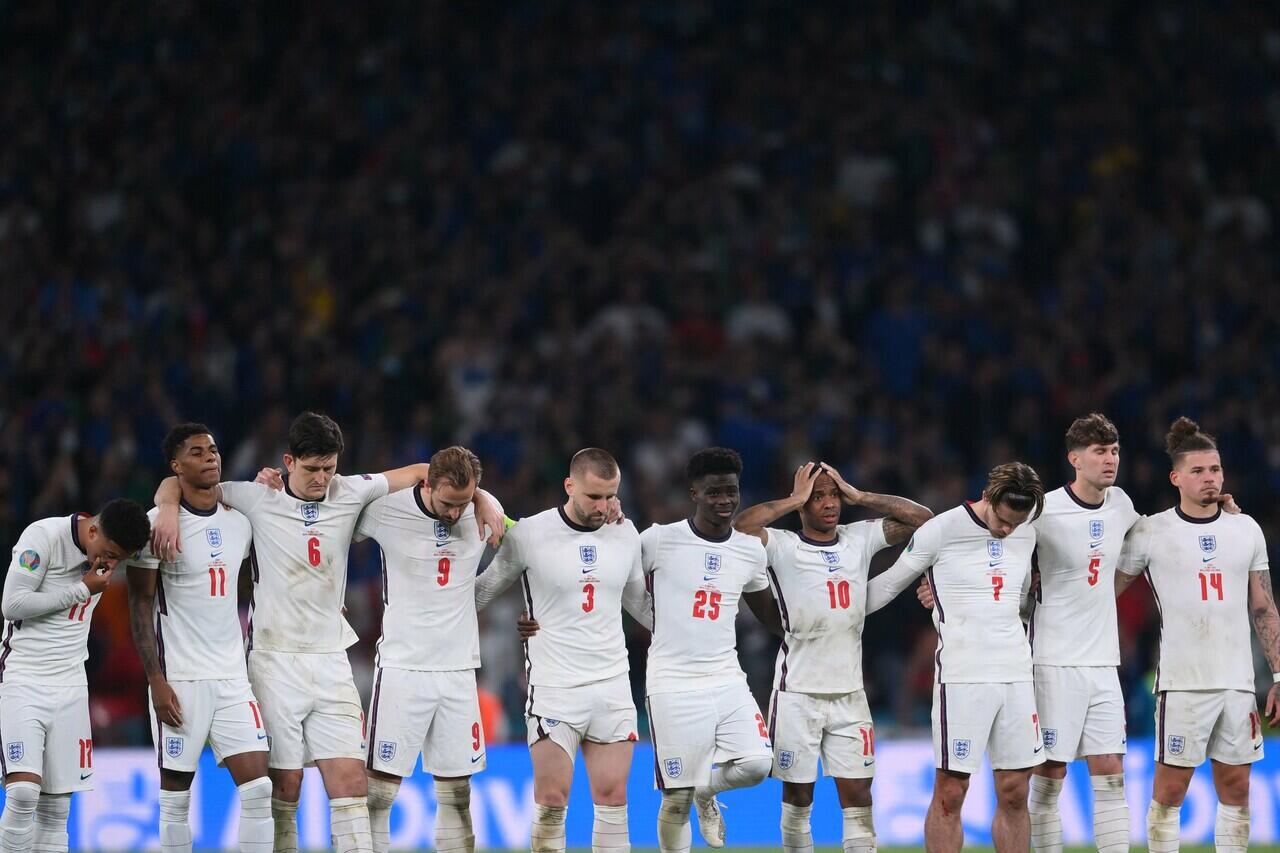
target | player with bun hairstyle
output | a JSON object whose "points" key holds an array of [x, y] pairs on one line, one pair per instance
{"points": [[1211, 577]]}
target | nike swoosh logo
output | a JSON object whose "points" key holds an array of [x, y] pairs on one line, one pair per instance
{"points": [[708, 578], [215, 554], [992, 565], [588, 571], [868, 762], [1095, 544], [262, 737], [1208, 559], [833, 569], [1037, 749], [309, 523], [84, 776], [477, 758]]}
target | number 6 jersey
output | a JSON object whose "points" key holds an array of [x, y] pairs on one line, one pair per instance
{"points": [[300, 562], [1199, 570]]}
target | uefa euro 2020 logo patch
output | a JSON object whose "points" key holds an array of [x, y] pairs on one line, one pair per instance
{"points": [[587, 553], [29, 560]]}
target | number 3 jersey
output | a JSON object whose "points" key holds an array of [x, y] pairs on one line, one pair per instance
{"points": [[1078, 545], [696, 583], [821, 589], [197, 615], [428, 583], [978, 582], [300, 561], [575, 580], [1199, 570]]}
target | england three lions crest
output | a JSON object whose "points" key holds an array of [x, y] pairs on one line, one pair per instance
{"points": [[674, 767], [311, 513], [442, 533], [587, 553], [386, 750], [960, 748], [1209, 543], [213, 535], [1095, 529], [995, 548], [173, 746], [712, 563]]}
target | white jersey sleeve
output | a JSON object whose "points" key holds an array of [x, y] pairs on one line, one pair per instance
{"points": [[921, 553], [1199, 571], [503, 570], [243, 496], [697, 583], [25, 595], [49, 646], [428, 584], [197, 615], [1078, 548]]}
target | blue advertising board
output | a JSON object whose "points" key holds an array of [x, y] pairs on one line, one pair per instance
{"points": [[122, 812]]}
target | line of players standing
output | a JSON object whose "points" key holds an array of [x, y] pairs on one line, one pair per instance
{"points": [[1021, 699]]}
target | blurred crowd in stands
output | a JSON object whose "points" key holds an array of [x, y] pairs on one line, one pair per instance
{"points": [[912, 241]]}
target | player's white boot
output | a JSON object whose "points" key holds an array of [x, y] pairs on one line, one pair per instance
{"points": [[710, 820]]}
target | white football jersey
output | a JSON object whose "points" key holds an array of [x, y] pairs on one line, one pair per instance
{"points": [[1199, 569], [48, 647], [575, 582], [299, 561], [428, 583], [1078, 545], [197, 613], [978, 583], [821, 589], [696, 583]]}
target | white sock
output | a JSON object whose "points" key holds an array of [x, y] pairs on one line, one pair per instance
{"points": [[51, 823], [1231, 829], [1110, 814], [284, 815], [797, 836], [257, 830], [609, 830], [382, 795], [175, 824], [349, 825], [737, 774], [859, 833], [548, 829], [674, 833], [1163, 828], [17, 825], [1046, 821], [453, 817]]}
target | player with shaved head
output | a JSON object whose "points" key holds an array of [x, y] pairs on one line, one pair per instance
{"points": [[577, 573]]}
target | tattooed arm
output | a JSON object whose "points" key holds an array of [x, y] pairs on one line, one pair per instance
{"points": [[142, 597], [902, 516], [754, 519], [1266, 622]]}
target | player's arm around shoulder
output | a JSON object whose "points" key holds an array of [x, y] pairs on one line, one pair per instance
{"points": [[504, 568], [1134, 554], [921, 553]]}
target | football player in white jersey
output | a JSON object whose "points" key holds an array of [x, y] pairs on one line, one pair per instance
{"points": [[577, 573], [1210, 575], [818, 708], [978, 562], [700, 708], [60, 567], [424, 693], [185, 618], [298, 637]]}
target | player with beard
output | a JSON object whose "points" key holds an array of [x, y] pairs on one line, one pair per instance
{"points": [[819, 707]]}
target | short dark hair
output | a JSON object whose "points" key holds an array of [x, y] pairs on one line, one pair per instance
{"points": [[456, 464], [595, 461], [313, 434], [712, 460], [1017, 486], [178, 436], [1093, 428], [1185, 437], [125, 523]]}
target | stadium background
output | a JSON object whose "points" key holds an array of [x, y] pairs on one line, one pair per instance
{"points": [[912, 241]]}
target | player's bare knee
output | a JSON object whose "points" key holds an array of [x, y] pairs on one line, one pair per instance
{"points": [[798, 793], [286, 785], [949, 791], [1011, 790], [854, 793], [1058, 770], [1232, 787]]}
